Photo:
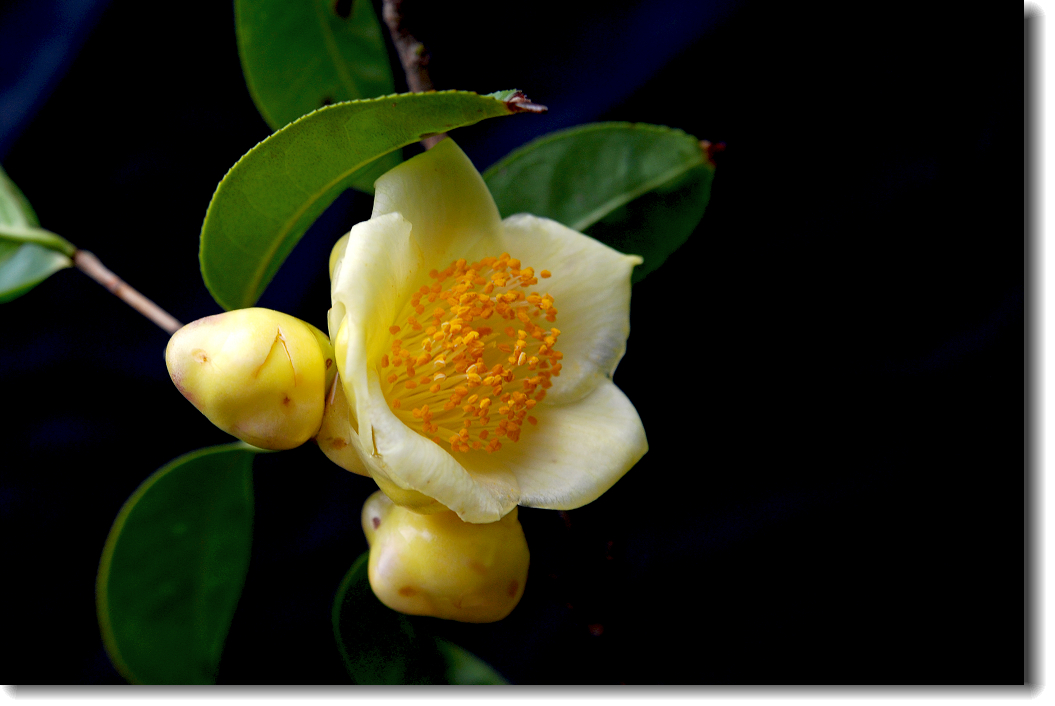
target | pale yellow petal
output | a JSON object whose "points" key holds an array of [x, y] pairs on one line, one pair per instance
{"points": [[427, 212], [411, 461], [577, 451], [590, 284], [370, 283], [338, 437], [444, 198]]}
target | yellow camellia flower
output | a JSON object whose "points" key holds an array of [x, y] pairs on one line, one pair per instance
{"points": [[475, 355]]}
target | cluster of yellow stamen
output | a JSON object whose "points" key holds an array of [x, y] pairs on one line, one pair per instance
{"points": [[470, 359]]}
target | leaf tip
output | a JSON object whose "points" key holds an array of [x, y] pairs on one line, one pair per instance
{"points": [[711, 151], [517, 102]]}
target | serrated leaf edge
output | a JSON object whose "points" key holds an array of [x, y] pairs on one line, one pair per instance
{"points": [[608, 206], [290, 223]]}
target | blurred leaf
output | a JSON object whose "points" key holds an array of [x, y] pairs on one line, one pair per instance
{"points": [[273, 194], [463, 667], [641, 189], [378, 645], [173, 567], [300, 56], [14, 208], [382, 646], [23, 263]]}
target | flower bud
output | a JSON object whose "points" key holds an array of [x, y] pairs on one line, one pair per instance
{"points": [[258, 374], [440, 566]]}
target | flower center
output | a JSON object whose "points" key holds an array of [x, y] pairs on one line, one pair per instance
{"points": [[469, 359]]}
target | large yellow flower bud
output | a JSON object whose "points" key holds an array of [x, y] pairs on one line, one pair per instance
{"points": [[440, 566], [258, 374]]}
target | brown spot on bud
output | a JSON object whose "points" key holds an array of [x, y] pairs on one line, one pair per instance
{"points": [[375, 521], [329, 362], [407, 591], [338, 443], [512, 590], [200, 355]]}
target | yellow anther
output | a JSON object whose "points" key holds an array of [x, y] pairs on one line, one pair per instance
{"points": [[492, 359]]}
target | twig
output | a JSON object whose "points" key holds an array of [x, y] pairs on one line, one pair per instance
{"points": [[412, 56], [89, 264]]}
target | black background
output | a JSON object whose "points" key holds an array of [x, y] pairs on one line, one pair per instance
{"points": [[830, 373]]}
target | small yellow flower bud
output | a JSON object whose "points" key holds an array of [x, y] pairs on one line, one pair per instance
{"points": [[439, 566], [258, 374]]}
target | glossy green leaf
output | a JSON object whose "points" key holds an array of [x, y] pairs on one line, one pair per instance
{"points": [[300, 56], [25, 261], [173, 567], [641, 189], [380, 646], [273, 194]]}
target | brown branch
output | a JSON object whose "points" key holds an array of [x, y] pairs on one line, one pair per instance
{"points": [[89, 264], [412, 56]]}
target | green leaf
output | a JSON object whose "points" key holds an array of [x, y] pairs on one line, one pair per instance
{"points": [[300, 56], [173, 567], [463, 667], [641, 189], [380, 646], [14, 208], [273, 194], [25, 261]]}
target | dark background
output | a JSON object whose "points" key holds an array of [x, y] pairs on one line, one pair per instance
{"points": [[835, 488]]}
